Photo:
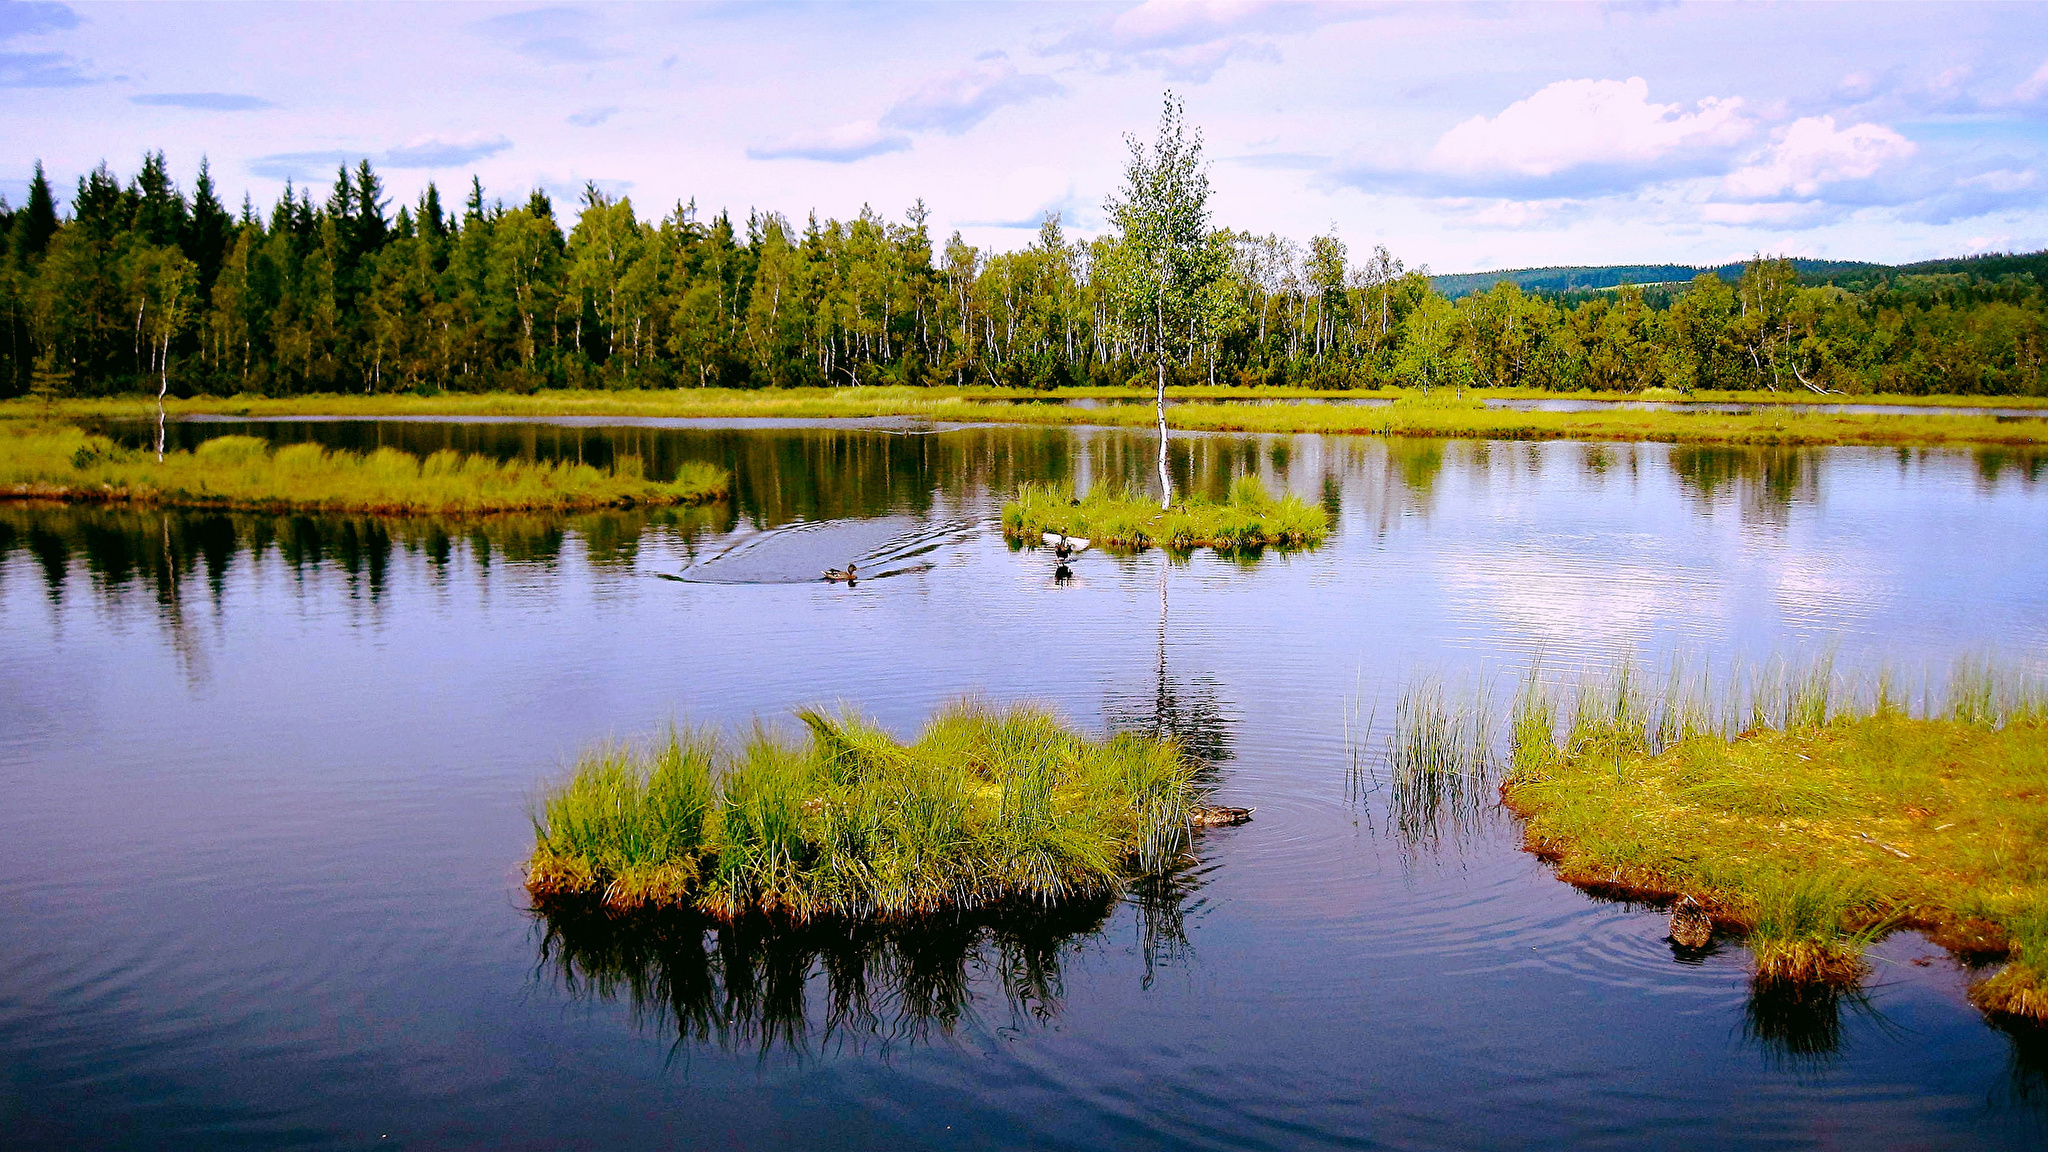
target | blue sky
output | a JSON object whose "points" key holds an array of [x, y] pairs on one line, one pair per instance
{"points": [[1462, 137]]}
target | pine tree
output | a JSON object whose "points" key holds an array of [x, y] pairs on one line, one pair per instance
{"points": [[206, 239], [37, 220]]}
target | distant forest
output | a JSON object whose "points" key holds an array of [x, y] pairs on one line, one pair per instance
{"points": [[141, 285]]}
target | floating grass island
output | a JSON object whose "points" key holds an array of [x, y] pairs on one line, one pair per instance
{"points": [[246, 473], [1248, 518], [1811, 819], [987, 805]]}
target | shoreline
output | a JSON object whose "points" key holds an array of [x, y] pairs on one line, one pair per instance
{"points": [[1411, 414]]}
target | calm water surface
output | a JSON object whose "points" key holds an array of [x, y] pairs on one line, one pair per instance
{"points": [[264, 785]]}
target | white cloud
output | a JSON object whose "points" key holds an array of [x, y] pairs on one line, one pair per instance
{"points": [[855, 140], [2003, 180], [1811, 153], [955, 101], [2033, 87], [1192, 39], [1585, 123], [1782, 214], [1180, 23]]}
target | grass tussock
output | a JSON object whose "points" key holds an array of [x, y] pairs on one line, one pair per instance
{"points": [[1441, 413], [1809, 810], [244, 472], [1249, 517], [986, 805]]}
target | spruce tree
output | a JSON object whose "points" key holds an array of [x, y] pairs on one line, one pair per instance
{"points": [[37, 220]]}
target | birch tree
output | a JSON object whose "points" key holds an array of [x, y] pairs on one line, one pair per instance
{"points": [[1166, 275]]}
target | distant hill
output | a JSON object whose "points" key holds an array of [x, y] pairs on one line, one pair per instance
{"points": [[1847, 273]]}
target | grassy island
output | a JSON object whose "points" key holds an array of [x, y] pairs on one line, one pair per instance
{"points": [[1248, 518], [987, 805], [53, 462], [1813, 823]]}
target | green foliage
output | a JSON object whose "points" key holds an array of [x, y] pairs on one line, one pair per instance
{"points": [[1164, 278], [67, 463], [986, 805], [145, 286]]}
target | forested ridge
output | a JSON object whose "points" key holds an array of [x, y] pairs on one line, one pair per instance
{"points": [[143, 285]]}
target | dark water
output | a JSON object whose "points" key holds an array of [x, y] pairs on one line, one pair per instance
{"points": [[263, 785]]}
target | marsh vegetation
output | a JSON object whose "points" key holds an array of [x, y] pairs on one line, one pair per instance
{"points": [[986, 805], [1812, 811], [1440, 412], [59, 462], [1248, 517]]}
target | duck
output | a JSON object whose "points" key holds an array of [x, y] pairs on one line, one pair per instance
{"points": [[1218, 816], [1063, 545], [1691, 925], [837, 575]]}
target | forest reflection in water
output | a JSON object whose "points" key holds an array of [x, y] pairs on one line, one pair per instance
{"points": [[819, 471]]}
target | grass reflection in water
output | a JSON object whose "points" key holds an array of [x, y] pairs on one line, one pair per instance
{"points": [[843, 984]]}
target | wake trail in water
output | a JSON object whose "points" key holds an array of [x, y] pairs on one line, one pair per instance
{"points": [[799, 553]]}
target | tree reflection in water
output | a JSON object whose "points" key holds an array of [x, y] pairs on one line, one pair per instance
{"points": [[841, 985]]}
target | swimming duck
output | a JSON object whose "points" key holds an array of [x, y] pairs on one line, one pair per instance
{"points": [[836, 575], [1063, 545], [1691, 926], [1217, 816]]}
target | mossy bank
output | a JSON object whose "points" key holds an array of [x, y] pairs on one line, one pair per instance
{"points": [[57, 462], [1812, 817]]}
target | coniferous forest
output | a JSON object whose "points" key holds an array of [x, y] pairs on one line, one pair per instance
{"points": [[143, 285]]}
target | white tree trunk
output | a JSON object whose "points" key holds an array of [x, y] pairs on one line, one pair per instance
{"points": [[1165, 481]]}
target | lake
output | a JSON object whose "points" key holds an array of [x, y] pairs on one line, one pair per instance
{"points": [[264, 788]]}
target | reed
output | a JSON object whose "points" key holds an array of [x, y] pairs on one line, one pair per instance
{"points": [[56, 462], [1248, 518], [1813, 810], [986, 805], [1440, 761]]}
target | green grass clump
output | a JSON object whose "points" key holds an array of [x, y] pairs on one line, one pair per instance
{"points": [[1812, 812], [986, 805], [1249, 517], [56, 462]]}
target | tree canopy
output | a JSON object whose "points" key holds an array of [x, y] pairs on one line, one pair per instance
{"points": [[139, 283]]}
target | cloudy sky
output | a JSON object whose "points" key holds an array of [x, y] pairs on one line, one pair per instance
{"points": [[1463, 137]]}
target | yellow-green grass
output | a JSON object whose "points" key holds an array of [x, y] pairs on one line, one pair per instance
{"points": [[1248, 518], [1417, 417], [56, 462], [986, 805], [1813, 819]]}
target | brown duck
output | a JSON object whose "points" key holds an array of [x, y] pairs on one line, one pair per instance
{"points": [[1218, 816], [1691, 925]]}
